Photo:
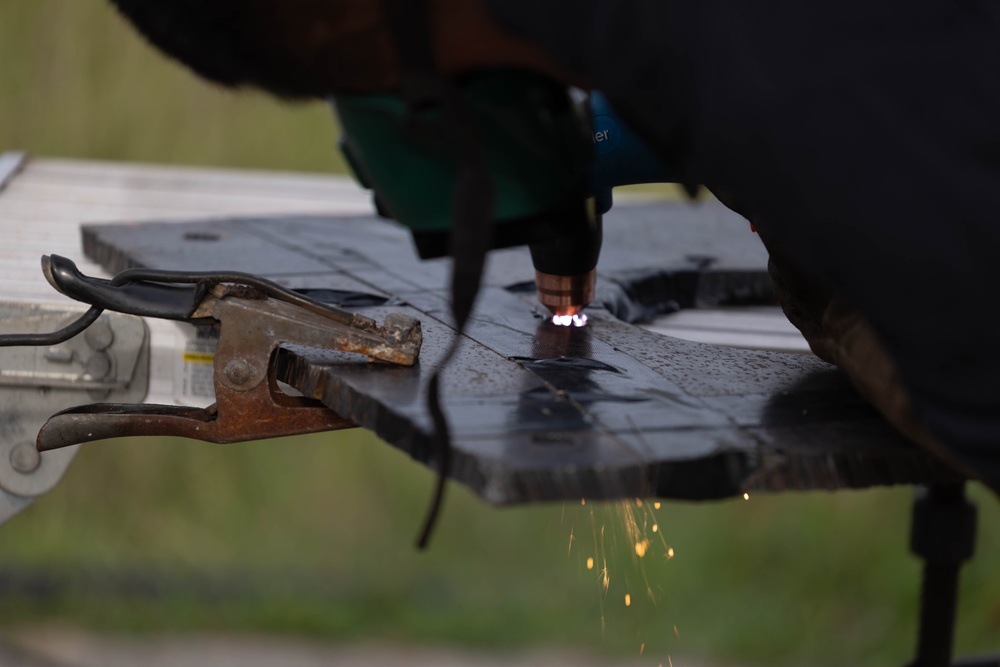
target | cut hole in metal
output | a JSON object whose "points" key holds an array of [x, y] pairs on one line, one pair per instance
{"points": [[201, 236]]}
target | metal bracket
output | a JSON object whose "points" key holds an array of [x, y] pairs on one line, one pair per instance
{"points": [[110, 360]]}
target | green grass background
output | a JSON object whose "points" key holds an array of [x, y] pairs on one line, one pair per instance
{"points": [[313, 536]]}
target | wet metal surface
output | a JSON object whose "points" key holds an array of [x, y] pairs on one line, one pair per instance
{"points": [[540, 412]]}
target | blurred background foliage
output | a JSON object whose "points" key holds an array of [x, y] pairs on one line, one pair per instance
{"points": [[77, 81], [313, 536]]}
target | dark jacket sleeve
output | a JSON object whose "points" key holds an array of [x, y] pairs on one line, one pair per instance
{"points": [[863, 135]]}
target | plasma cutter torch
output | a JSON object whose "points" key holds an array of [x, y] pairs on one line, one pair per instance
{"points": [[554, 157]]}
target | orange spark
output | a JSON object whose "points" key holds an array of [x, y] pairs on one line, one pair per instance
{"points": [[640, 548]]}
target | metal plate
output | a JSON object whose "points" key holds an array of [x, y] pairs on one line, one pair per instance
{"points": [[540, 412], [109, 361], [656, 257]]}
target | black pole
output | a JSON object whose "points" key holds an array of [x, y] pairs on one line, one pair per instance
{"points": [[944, 536]]}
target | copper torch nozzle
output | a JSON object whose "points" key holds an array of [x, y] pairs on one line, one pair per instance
{"points": [[565, 295]]}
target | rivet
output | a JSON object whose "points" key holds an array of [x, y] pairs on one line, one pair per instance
{"points": [[98, 366], [99, 335], [239, 372], [24, 458]]}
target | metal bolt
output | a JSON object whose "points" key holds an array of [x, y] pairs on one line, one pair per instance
{"points": [[98, 366], [99, 335], [239, 371], [24, 458]]}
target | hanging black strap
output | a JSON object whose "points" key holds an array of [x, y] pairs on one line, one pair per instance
{"points": [[425, 88]]}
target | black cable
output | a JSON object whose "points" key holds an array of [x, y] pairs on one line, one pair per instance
{"points": [[425, 88], [206, 278], [76, 327], [471, 239], [441, 441]]}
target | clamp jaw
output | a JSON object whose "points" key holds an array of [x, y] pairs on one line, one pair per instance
{"points": [[254, 317]]}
